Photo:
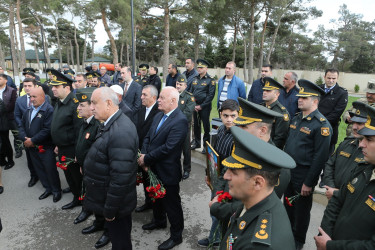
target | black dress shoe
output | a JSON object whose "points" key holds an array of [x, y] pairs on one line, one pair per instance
{"points": [[169, 244], [91, 229], [82, 217], [66, 190], [194, 146], [203, 151], [72, 204], [9, 165], [153, 225], [56, 197], [103, 240], [144, 207], [186, 175], [18, 154], [33, 181], [45, 195], [1, 189]]}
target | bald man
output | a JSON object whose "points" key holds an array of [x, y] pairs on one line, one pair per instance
{"points": [[35, 132]]}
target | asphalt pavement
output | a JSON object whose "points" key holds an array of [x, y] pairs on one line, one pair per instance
{"points": [[33, 224]]}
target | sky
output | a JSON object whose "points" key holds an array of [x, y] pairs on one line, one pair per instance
{"points": [[330, 10]]}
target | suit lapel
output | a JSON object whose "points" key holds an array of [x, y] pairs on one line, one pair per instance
{"points": [[164, 125]]}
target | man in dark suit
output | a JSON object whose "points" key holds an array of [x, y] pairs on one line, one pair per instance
{"points": [[22, 103], [117, 74], [161, 152], [8, 95], [35, 132], [132, 92], [145, 117]]}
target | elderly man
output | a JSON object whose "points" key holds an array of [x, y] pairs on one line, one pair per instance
{"points": [[230, 86], [95, 68], [111, 167], [132, 93], [35, 132], [145, 118], [288, 96], [105, 79], [122, 106], [161, 152], [260, 221], [349, 219]]}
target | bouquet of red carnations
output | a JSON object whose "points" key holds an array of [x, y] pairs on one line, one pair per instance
{"points": [[156, 189], [64, 162]]}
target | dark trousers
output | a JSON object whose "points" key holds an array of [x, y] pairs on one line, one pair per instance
{"points": [[204, 116], [170, 206], [72, 174], [30, 165], [45, 166], [186, 151], [119, 231], [146, 183], [299, 213], [6, 151]]}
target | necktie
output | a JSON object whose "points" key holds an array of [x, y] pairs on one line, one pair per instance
{"points": [[161, 122], [327, 90], [126, 88]]}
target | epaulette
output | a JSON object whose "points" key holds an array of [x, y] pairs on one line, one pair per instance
{"points": [[262, 233], [187, 92], [320, 117], [75, 100]]}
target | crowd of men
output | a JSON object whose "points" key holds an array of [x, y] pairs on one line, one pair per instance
{"points": [[105, 131]]}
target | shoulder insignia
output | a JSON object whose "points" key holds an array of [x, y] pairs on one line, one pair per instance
{"points": [[308, 118], [282, 107], [195, 83], [137, 80], [144, 80], [75, 100], [242, 225], [322, 119], [292, 126], [286, 117], [187, 92], [325, 131], [358, 160], [213, 83], [262, 234], [192, 99], [345, 154], [182, 102]]}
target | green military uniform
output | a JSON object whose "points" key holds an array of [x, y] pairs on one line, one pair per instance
{"points": [[349, 218], [142, 80], [280, 127], [64, 130], [308, 144], [89, 128], [370, 89], [203, 89], [263, 225], [186, 104]]}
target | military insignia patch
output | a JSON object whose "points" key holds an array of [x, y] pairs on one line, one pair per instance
{"points": [[286, 117], [193, 99], [204, 84], [39, 115], [282, 107], [213, 83], [267, 84], [137, 80], [242, 225], [144, 80], [75, 100], [358, 112], [195, 83], [345, 154], [322, 119], [292, 126], [350, 188], [84, 97], [358, 159], [308, 118], [54, 78], [324, 131], [305, 130], [182, 79], [354, 181], [370, 202], [182, 102], [87, 135], [263, 230]]}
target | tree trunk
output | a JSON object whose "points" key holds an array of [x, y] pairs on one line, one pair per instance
{"points": [[111, 39], [67, 56], [58, 44], [12, 40], [121, 52], [77, 48], [251, 42], [16, 44], [234, 41], [36, 54], [92, 45], [245, 61], [135, 46], [260, 62], [127, 54], [166, 42], [21, 36], [273, 41], [71, 53], [84, 55], [196, 43], [2, 61]]}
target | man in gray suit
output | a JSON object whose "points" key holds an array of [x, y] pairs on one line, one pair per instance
{"points": [[132, 93]]}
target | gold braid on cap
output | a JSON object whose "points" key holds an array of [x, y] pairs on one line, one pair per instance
{"points": [[244, 161], [368, 123], [246, 120], [302, 91]]}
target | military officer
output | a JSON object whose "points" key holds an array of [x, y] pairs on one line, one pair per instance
{"points": [[64, 130], [89, 76], [308, 144], [260, 220], [369, 99], [349, 219], [203, 88], [341, 163], [143, 78], [187, 104], [271, 92], [86, 138]]}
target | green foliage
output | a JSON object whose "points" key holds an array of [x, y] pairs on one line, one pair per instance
{"points": [[319, 81], [356, 88], [209, 55]]}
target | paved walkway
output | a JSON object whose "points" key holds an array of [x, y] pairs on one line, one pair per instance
{"points": [[33, 224]]}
